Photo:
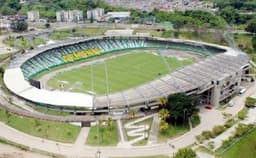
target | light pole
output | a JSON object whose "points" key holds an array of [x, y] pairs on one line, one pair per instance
{"points": [[98, 154], [172, 147]]}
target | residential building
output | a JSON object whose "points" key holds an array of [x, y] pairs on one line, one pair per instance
{"points": [[69, 16], [95, 14], [33, 16]]}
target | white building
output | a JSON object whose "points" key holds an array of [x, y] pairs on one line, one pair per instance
{"points": [[69, 16], [33, 16], [5, 24], [95, 14], [119, 16]]}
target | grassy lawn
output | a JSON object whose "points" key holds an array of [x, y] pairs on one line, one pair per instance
{"points": [[172, 131], [244, 148], [60, 35], [91, 31], [103, 136], [2, 56], [23, 42], [123, 72], [38, 41], [62, 132]]}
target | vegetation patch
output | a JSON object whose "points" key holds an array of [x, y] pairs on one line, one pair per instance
{"points": [[244, 147], [57, 131], [103, 134]]}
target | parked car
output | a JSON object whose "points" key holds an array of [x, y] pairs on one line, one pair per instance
{"points": [[208, 107]]}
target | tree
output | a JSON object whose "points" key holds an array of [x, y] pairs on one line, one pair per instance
{"points": [[163, 126], [180, 105], [110, 122], [133, 112], [251, 26], [164, 114], [185, 153], [254, 42], [229, 14], [162, 102], [19, 26], [47, 25]]}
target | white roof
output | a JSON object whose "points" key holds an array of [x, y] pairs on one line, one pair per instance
{"points": [[15, 82], [119, 14]]}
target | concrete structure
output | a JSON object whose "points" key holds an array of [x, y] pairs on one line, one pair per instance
{"points": [[95, 14], [214, 79], [5, 24], [69, 16], [33, 16], [119, 16], [127, 32]]}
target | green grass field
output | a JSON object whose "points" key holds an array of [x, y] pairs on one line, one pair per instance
{"points": [[62, 132], [244, 148], [103, 136], [124, 72]]}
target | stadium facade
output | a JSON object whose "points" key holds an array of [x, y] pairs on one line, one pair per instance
{"points": [[215, 78]]}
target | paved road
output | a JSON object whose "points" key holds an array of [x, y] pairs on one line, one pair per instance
{"points": [[7, 151]]}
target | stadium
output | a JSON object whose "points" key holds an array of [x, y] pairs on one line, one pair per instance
{"points": [[215, 78]]}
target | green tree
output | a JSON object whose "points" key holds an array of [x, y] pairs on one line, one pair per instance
{"points": [[185, 153], [47, 25], [180, 105], [164, 114], [254, 42], [110, 122], [251, 26], [163, 126], [19, 25], [133, 112], [229, 14], [162, 102]]}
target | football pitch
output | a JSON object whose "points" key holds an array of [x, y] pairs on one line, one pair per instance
{"points": [[117, 74]]}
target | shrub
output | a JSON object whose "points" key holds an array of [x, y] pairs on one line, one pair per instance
{"points": [[242, 114], [207, 134], [218, 130], [200, 138], [241, 129], [250, 102], [195, 120], [227, 142], [230, 123], [185, 152]]}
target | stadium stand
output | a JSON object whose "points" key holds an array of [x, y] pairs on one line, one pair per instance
{"points": [[208, 74]]}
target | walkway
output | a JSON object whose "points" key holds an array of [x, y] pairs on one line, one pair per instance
{"points": [[81, 139], [154, 130], [251, 118]]}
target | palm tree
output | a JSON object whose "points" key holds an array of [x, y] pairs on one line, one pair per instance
{"points": [[110, 122], [133, 112], [163, 126], [164, 114], [162, 102]]}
